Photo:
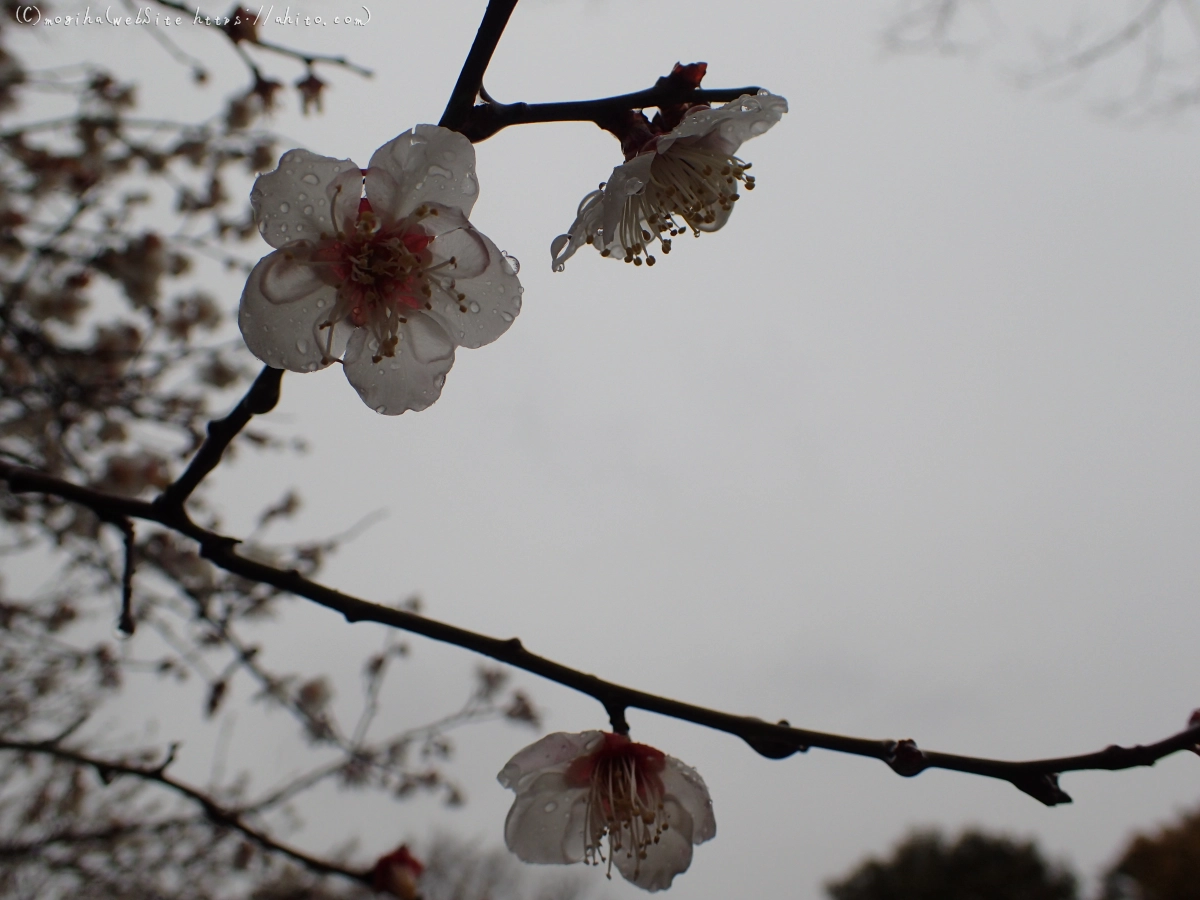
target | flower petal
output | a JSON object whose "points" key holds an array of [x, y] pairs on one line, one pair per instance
{"points": [[410, 379], [684, 783], [728, 127], [545, 824], [428, 164], [454, 236], [296, 201], [491, 299], [554, 750], [665, 859], [626, 180], [586, 224], [282, 307]]}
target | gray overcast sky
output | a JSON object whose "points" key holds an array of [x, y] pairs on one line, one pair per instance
{"points": [[907, 450]]}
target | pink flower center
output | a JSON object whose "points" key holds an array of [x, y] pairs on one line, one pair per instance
{"points": [[382, 274], [625, 798]]}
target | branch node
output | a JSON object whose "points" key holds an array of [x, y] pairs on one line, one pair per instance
{"points": [[616, 716], [767, 742], [170, 758], [906, 758], [1043, 788]]}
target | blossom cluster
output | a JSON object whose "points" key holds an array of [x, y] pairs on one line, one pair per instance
{"points": [[380, 270]]}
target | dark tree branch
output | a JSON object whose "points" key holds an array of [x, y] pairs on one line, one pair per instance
{"points": [[480, 121], [214, 812], [260, 398], [470, 79], [486, 119], [775, 741], [126, 622]]}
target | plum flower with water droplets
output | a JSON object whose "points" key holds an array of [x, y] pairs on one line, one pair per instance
{"points": [[599, 798], [377, 268], [673, 181]]}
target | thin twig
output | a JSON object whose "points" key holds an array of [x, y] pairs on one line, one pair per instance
{"points": [[214, 812], [126, 622], [307, 58], [260, 398]]}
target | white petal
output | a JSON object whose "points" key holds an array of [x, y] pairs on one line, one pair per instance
{"points": [[545, 824], [295, 202], [410, 379], [454, 237], [556, 750], [586, 224], [282, 306], [428, 164], [727, 127], [684, 783], [626, 180], [492, 301], [664, 860]]}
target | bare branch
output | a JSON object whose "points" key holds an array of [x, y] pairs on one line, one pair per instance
{"points": [[775, 741], [213, 811], [260, 398]]}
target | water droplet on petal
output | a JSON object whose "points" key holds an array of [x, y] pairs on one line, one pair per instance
{"points": [[760, 127], [381, 409], [283, 227], [470, 185], [511, 263], [302, 196], [474, 307], [302, 345], [310, 178], [633, 185], [438, 382], [507, 317], [283, 207], [308, 210], [321, 303], [440, 172], [550, 807]]}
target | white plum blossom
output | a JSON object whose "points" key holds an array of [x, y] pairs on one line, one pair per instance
{"points": [[685, 178], [580, 793], [389, 283]]}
